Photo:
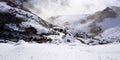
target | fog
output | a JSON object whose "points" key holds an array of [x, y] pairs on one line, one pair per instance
{"points": [[48, 8]]}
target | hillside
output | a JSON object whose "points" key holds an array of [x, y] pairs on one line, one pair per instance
{"points": [[59, 30]]}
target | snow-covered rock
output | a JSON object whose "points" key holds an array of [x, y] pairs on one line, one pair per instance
{"points": [[17, 23]]}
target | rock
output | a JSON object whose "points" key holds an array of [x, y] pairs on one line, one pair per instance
{"points": [[99, 17], [19, 24], [101, 21]]}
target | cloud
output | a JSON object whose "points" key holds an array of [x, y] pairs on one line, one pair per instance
{"points": [[48, 8]]}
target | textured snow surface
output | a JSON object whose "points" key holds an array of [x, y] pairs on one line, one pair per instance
{"points": [[34, 51]]}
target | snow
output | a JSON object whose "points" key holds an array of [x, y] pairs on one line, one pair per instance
{"points": [[66, 15], [110, 22], [56, 39], [72, 13], [34, 51], [32, 20], [40, 29], [12, 26], [73, 22], [112, 34], [3, 7]]}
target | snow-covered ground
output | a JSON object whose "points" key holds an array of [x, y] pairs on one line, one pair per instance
{"points": [[34, 51]]}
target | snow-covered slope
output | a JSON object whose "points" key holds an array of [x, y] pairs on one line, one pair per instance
{"points": [[90, 26], [17, 23], [33, 20], [27, 51], [112, 34]]}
